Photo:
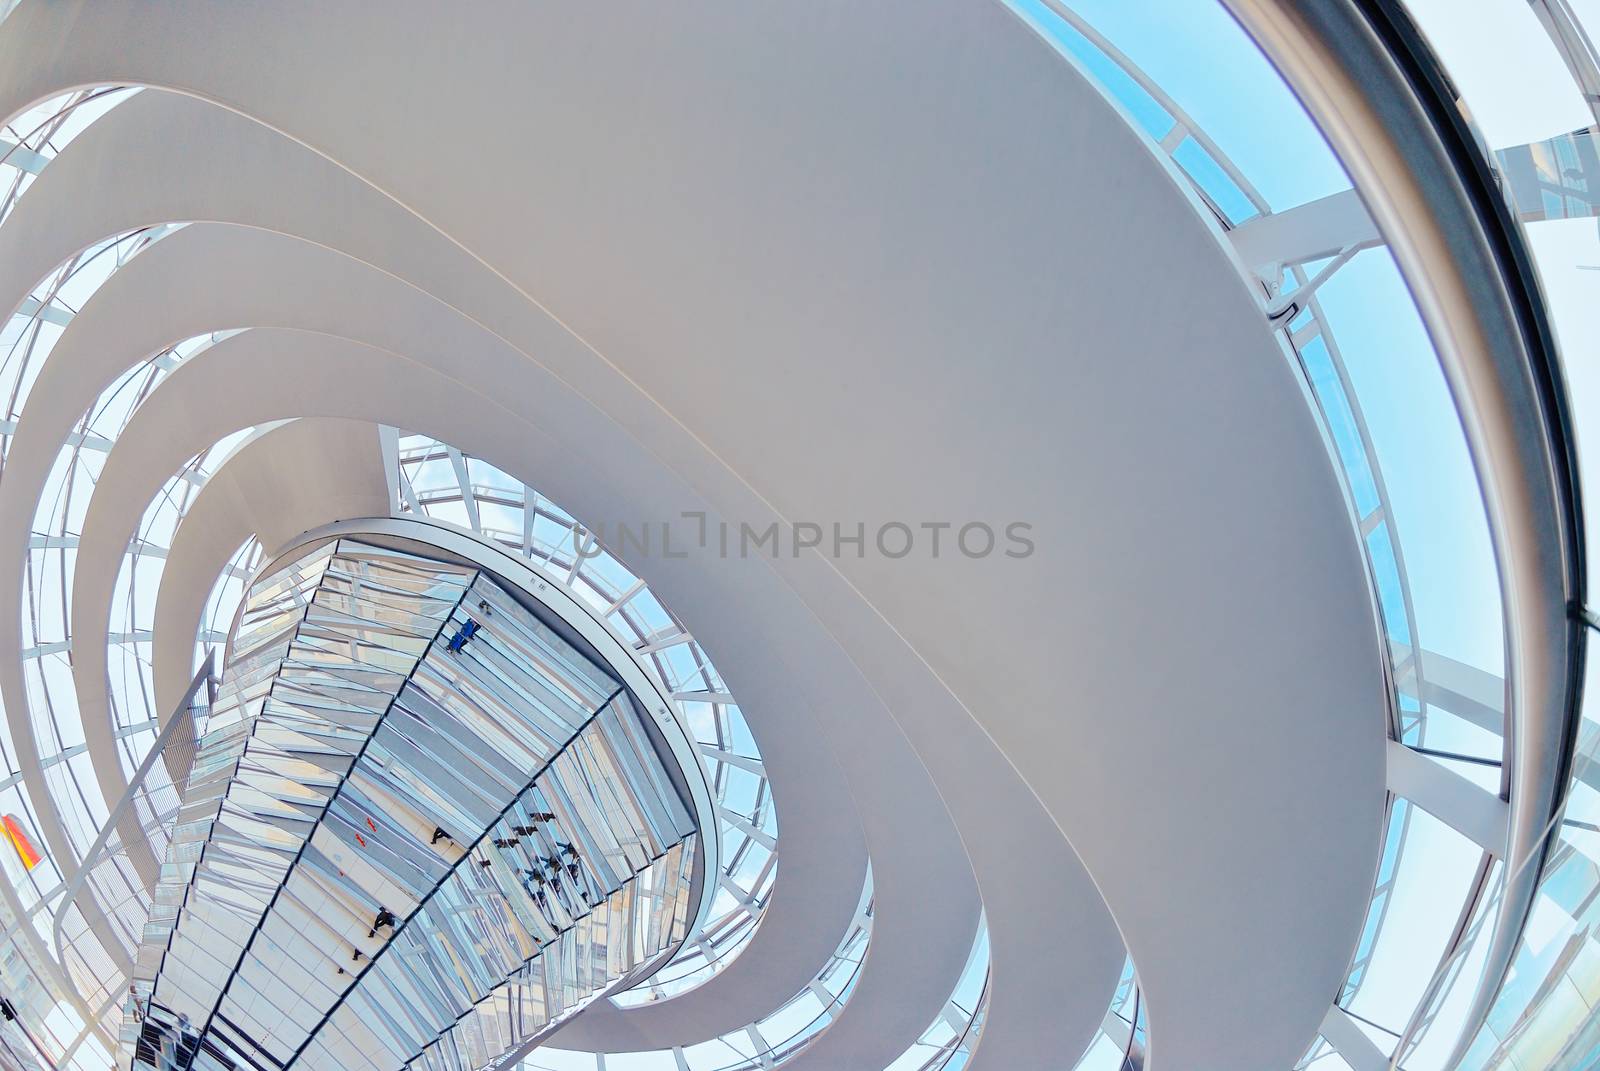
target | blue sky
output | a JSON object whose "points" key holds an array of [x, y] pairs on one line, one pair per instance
{"points": [[1200, 57]]}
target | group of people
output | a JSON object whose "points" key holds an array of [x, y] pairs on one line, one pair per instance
{"points": [[544, 879], [559, 876]]}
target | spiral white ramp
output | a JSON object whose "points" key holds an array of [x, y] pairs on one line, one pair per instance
{"points": [[449, 276]]}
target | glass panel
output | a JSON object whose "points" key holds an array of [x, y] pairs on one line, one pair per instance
{"points": [[415, 813]]}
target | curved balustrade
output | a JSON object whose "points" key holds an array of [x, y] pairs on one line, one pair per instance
{"points": [[680, 662], [75, 789], [947, 1043], [1308, 291], [443, 483], [1120, 1043], [1440, 709], [1536, 141], [116, 901], [760, 1045], [30, 141], [439, 481]]}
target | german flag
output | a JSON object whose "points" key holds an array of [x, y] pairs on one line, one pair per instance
{"points": [[20, 841]]}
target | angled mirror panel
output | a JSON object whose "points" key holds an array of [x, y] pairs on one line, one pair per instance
{"points": [[422, 829]]}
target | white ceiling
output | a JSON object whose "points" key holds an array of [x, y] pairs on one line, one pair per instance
{"points": [[827, 262]]}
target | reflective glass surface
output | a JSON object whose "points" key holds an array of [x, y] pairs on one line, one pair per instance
{"points": [[421, 828], [1412, 494], [439, 481]]}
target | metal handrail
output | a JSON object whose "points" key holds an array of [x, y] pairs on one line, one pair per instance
{"points": [[1386, 107], [1577, 49]]}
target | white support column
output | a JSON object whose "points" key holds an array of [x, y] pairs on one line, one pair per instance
{"points": [[744, 762], [743, 825], [53, 314], [661, 643], [1118, 1030], [762, 1049], [622, 600], [1351, 1042], [1316, 229], [458, 465], [389, 447], [1482, 816], [744, 897], [703, 697], [1464, 690], [530, 516], [21, 156]]}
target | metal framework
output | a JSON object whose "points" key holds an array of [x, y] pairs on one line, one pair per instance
{"points": [[1289, 256]]}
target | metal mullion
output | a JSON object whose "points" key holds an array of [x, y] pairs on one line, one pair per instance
{"points": [[300, 852], [466, 853]]}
